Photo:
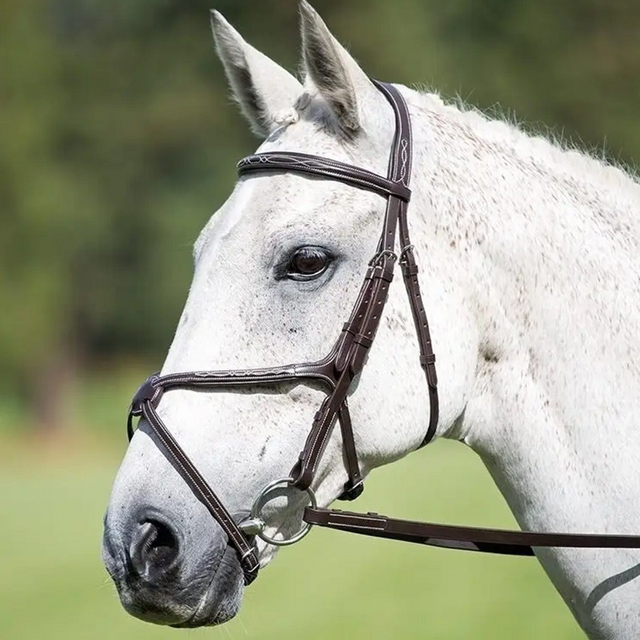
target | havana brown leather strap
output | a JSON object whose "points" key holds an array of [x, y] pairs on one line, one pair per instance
{"points": [[292, 162], [519, 543], [427, 356], [360, 331], [355, 485], [144, 405]]}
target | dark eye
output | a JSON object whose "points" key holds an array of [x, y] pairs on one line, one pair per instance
{"points": [[308, 263]]}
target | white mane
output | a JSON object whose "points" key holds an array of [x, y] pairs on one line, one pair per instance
{"points": [[606, 196], [547, 146]]}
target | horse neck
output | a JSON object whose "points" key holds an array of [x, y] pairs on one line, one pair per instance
{"points": [[550, 240]]}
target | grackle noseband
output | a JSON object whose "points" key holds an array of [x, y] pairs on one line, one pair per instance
{"points": [[335, 373]]}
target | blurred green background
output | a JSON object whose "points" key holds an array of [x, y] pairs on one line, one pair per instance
{"points": [[118, 140]]}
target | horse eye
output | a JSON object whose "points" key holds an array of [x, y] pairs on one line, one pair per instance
{"points": [[308, 263]]}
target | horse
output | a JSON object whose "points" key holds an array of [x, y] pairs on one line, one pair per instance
{"points": [[529, 254]]}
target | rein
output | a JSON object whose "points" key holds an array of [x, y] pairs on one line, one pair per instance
{"points": [[336, 373]]}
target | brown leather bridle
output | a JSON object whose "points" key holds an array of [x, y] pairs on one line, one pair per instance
{"points": [[336, 373]]}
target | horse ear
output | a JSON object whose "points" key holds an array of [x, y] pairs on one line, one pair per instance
{"points": [[264, 90], [333, 72]]}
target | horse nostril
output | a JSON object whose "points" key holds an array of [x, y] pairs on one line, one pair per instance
{"points": [[154, 549]]}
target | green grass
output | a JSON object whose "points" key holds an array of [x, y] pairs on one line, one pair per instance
{"points": [[332, 585]]}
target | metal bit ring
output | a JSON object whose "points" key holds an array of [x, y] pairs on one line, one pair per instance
{"points": [[256, 525]]}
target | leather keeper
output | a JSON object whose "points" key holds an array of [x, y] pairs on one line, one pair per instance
{"points": [[409, 267], [428, 363], [380, 273], [363, 340], [148, 392], [349, 328]]}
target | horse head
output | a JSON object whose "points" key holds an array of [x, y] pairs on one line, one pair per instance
{"points": [[277, 270]]}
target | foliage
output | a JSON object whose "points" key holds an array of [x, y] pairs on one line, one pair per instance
{"points": [[119, 139]]}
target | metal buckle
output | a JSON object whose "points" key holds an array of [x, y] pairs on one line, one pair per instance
{"points": [[375, 261], [255, 524], [405, 250], [352, 492]]}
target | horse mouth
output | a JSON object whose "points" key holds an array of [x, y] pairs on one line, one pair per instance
{"points": [[222, 598], [202, 601], [210, 614]]}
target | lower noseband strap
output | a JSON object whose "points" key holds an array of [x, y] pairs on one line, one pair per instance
{"points": [[201, 489]]}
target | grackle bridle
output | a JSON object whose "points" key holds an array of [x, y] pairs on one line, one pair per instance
{"points": [[336, 373]]}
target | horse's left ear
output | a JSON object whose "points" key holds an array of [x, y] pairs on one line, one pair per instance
{"points": [[330, 69], [264, 90]]}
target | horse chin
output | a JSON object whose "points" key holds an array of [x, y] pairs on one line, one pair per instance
{"points": [[216, 604], [211, 613], [222, 598]]}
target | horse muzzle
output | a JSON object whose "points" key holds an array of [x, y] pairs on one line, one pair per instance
{"points": [[165, 578]]}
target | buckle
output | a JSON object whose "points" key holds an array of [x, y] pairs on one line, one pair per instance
{"points": [[408, 262], [352, 491], [385, 253]]}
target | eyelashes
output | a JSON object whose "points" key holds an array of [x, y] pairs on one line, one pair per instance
{"points": [[305, 264]]}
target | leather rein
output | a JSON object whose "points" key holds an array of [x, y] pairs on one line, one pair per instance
{"points": [[336, 373]]}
